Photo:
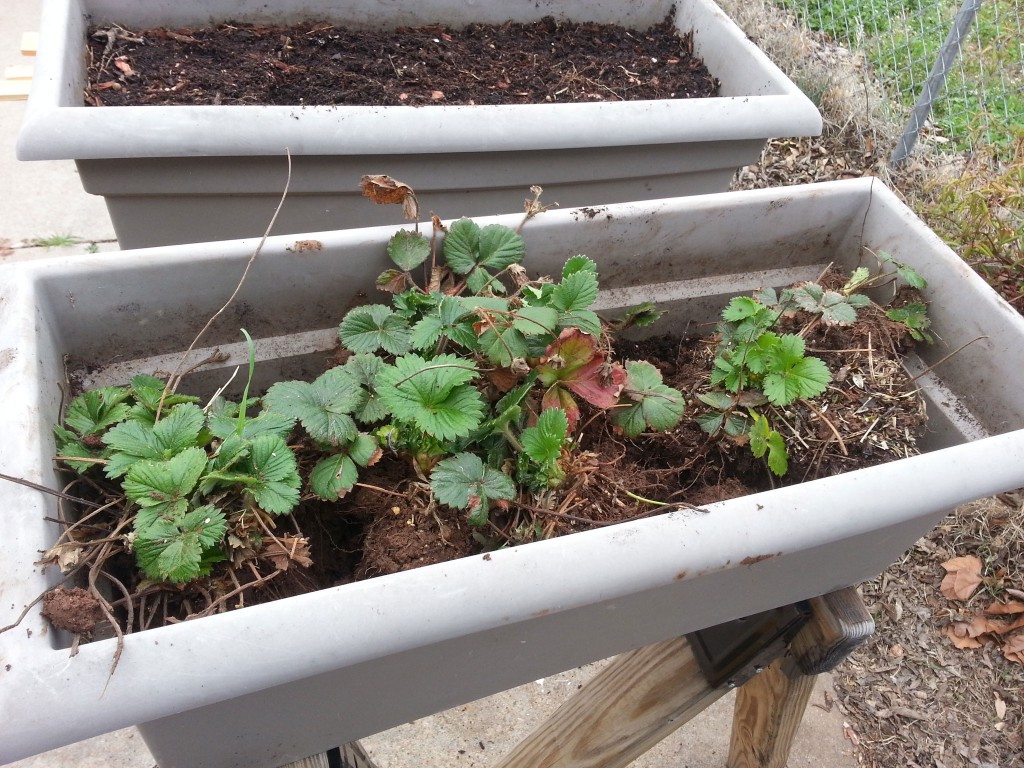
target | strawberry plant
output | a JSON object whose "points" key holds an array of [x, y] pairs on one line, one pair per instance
{"points": [[757, 370], [475, 374]]}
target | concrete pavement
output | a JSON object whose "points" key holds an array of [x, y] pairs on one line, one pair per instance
{"points": [[45, 199]]}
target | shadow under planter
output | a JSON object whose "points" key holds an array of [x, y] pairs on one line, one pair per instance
{"points": [[272, 683], [196, 173]]}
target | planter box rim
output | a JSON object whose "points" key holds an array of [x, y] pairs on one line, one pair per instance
{"points": [[55, 133], [57, 126]]}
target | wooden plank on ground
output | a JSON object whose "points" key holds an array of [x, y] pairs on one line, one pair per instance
{"points": [[18, 72], [29, 43], [14, 90], [631, 705]]}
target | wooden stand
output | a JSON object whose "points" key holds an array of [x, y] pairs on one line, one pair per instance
{"points": [[643, 696]]}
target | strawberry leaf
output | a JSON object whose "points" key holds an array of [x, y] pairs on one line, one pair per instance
{"points": [[96, 409], [465, 482], [543, 442], [374, 327], [323, 406], [162, 488], [648, 403], [408, 249], [174, 550], [433, 394]]}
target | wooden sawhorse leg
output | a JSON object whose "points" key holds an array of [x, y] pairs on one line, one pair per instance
{"points": [[769, 707], [645, 695]]}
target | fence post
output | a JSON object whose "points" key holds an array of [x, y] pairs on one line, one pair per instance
{"points": [[936, 81]]}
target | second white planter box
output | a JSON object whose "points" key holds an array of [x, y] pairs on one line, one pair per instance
{"points": [[189, 174], [268, 684]]}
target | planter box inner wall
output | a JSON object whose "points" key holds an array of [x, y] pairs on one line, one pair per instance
{"points": [[191, 174], [357, 659]]}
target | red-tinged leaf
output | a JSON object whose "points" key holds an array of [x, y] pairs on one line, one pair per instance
{"points": [[573, 361], [598, 383], [959, 635], [963, 576], [556, 397]]}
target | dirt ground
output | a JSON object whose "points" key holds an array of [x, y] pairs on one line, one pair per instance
{"points": [[322, 64]]}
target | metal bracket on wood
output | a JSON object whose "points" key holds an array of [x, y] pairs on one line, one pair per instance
{"points": [[732, 653]]}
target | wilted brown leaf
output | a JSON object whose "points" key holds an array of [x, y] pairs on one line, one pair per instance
{"points": [[1013, 648], [384, 190], [301, 246], [1010, 617], [959, 633], [286, 551], [121, 62], [963, 575]]}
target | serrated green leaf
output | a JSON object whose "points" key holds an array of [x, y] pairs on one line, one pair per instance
{"points": [[364, 450], [432, 394], [162, 488], [500, 247], [837, 310], [579, 263], [462, 246], [809, 296], [450, 319], [225, 423], [649, 404], [333, 477], [131, 441], [581, 319], [718, 400], [374, 327], [465, 482], [502, 345], [543, 442], [70, 447], [576, 292], [480, 280], [642, 315], [858, 278], [149, 389], [908, 273], [807, 377], [915, 317], [408, 249], [534, 321], [364, 369], [96, 409], [322, 407], [174, 551], [273, 465], [740, 308], [764, 439]]}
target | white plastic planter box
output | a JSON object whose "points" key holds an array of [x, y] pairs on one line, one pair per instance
{"points": [[190, 174], [268, 684]]}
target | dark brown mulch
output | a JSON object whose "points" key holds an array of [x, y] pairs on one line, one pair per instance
{"points": [[324, 64]]}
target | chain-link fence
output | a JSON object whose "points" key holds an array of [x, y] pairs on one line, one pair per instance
{"points": [[952, 69]]}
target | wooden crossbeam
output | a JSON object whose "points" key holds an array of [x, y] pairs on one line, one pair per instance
{"points": [[631, 705]]}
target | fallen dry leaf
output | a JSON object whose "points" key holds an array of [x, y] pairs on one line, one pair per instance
{"points": [[286, 551], [384, 190], [959, 633], [121, 62], [963, 575], [1013, 649], [305, 245]]}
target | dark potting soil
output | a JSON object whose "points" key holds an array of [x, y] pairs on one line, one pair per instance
{"points": [[318, 63]]}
